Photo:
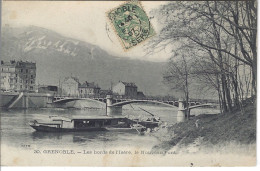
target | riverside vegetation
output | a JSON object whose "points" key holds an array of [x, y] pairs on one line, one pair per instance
{"points": [[213, 130], [213, 46]]}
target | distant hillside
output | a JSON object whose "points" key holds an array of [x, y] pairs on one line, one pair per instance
{"points": [[58, 56]]}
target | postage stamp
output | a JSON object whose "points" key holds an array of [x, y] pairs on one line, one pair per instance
{"points": [[131, 24]]}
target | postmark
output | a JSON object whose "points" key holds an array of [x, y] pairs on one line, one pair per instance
{"points": [[131, 24]]}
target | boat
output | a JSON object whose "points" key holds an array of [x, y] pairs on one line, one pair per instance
{"points": [[148, 122], [102, 123], [132, 128]]}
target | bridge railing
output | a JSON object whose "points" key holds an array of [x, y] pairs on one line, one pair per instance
{"points": [[124, 98]]}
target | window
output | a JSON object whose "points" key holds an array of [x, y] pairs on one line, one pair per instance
{"points": [[26, 70], [21, 70], [26, 76], [31, 87], [31, 76], [16, 75], [21, 81], [31, 82], [2, 69], [21, 86], [16, 81], [26, 81]]}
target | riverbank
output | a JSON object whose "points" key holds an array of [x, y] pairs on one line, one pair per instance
{"points": [[234, 131]]}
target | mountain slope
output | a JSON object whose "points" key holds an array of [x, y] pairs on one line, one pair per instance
{"points": [[57, 56]]}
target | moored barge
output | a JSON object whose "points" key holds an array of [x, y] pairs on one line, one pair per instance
{"points": [[102, 123]]}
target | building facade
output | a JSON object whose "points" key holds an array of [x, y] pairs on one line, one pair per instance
{"points": [[18, 76], [125, 89], [69, 87], [88, 89]]}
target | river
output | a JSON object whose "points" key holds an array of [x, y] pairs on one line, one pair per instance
{"points": [[16, 132]]}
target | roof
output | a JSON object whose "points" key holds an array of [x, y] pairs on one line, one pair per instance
{"points": [[57, 118], [14, 63], [88, 85], [129, 84], [98, 118], [140, 92], [74, 78]]}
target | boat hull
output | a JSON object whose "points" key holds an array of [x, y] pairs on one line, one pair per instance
{"points": [[123, 129], [42, 128]]}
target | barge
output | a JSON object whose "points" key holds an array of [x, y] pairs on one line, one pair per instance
{"points": [[102, 123]]}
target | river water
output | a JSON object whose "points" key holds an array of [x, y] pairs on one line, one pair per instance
{"points": [[16, 132]]}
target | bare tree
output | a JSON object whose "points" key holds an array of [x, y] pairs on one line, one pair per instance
{"points": [[224, 33], [178, 75]]}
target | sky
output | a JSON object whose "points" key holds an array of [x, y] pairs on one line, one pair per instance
{"points": [[81, 20]]}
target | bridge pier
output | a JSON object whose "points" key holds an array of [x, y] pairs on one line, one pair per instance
{"points": [[181, 115], [112, 110]]}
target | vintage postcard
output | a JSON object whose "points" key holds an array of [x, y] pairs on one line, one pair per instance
{"points": [[128, 83]]}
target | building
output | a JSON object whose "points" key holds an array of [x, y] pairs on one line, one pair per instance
{"points": [[104, 93], [53, 90], [125, 89], [69, 87], [88, 89], [18, 76], [140, 95]]}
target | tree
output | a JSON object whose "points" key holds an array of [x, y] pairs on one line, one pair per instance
{"points": [[223, 33], [178, 75]]}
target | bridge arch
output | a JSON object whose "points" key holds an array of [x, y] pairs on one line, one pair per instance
{"points": [[66, 100], [201, 105], [120, 104]]}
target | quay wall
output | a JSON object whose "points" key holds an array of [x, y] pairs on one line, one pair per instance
{"points": [[44, 100], [5, 99], [28, 100]]}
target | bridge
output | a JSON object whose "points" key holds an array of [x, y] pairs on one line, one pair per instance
{"points": [[114, 106], [123, 101]]}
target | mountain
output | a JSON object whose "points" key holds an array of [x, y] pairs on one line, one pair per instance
{"points": [[57, 57]]}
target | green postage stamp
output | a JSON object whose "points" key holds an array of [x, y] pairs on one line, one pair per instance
{"points": [[131, 24]]}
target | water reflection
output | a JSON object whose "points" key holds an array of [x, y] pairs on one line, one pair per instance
{"points": [[75, 137], [46, 135]]}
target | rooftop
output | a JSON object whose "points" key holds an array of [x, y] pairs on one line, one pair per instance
{"points": [[129, 84], [71, 77], [58, 118], [18, 63]]}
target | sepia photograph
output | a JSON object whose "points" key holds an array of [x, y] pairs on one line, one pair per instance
{"points": [[128, 83]]}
